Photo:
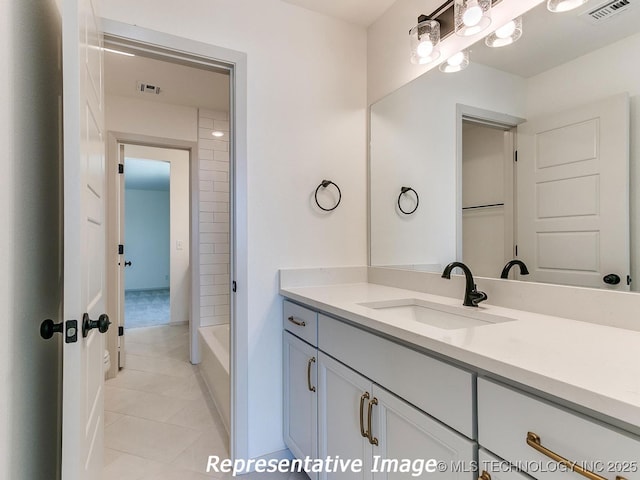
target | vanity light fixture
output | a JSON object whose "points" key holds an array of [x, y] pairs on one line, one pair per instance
{"points": [[506, 34], [456, 62], [425, 37], [559, 6], [471, 16]]}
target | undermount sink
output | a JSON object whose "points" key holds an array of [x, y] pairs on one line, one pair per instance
{"points": [[434, 314]]}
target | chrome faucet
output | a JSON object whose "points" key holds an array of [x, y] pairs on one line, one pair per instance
{"points": [[472, 296], [523, 268]]}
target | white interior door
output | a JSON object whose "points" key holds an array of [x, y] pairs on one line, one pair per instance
{"points": [[84, 241], [573, 195]]}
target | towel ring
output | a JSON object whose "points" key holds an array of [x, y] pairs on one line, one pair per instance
{"points": [[325, 184], [404, 190]]}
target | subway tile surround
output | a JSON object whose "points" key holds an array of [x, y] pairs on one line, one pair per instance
{"points": [[214, 226]]}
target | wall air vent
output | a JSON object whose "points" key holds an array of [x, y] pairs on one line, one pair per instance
{"points": [[144, 87], [607, 10]]}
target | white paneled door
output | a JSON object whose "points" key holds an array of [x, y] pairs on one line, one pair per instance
{"points": [[573, 195], [84, 241]]}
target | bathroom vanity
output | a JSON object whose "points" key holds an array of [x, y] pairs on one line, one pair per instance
{"points": [[376, 372]]}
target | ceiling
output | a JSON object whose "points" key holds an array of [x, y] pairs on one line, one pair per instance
{"points": [[142, 174], [360, 12], [549, 40], [179, 84]]}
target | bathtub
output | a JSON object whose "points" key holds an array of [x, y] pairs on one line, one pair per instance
{"points": [[214, 367]]}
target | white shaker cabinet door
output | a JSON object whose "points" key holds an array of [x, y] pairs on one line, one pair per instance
{"points": [[414, 439], [343, 397], [300, 397]]}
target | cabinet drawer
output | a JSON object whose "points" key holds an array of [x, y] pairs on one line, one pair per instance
{"points": [[441, 390], [506, 416], [491, 467], [301, 321]]}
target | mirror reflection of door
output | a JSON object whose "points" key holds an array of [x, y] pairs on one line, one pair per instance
{"points": [[573, 191], [487, 197]]}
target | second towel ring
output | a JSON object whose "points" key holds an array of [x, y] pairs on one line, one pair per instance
{"points": [[404, 190], [325, 184]]}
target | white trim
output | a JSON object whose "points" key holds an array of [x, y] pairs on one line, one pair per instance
{"points": [[236, 63]]}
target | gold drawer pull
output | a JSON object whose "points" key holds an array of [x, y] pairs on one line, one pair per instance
{"points": [[311, 387], [534, 441], [300, 323], [363, 432], [372, 440], [484, 476]]}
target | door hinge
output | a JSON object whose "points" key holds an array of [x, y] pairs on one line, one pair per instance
{"points": [[629, 280], [515, 156], [121, 168], [120, 249], [234, 286], [121, 331]]}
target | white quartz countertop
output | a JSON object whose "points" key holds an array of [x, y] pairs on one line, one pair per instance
{"points": [[594, 366]]}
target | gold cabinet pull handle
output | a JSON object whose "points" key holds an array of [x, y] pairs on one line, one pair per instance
{"points": [[363, 432], [372, 440], [300, 323], [484, 475], [534, 441], [311, 361]]}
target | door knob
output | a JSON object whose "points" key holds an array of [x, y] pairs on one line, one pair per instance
{"points": [[102, 324], [611, 279], [48, 328], [127, 263]]}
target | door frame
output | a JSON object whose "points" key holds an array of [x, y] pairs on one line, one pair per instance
{"points": [[114, 140], [181, 50]]}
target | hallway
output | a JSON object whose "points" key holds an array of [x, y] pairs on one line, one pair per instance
{"points": [[159, 421]]}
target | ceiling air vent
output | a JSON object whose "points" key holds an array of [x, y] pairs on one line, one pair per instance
{"points": [[607, 10], [144, 87]]}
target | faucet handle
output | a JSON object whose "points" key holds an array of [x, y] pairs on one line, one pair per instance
{"points": [[477, 296]]}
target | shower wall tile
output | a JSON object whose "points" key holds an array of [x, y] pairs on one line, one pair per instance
{"points": [[214, 217]]}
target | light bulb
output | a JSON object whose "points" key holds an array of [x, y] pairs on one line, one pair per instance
{"points": [[217, 133], [506, 30], [472, 15], [564, 5], [456, 60], [424, 48]]}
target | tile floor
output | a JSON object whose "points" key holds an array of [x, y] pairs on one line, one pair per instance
{"points": [[160, 422]]}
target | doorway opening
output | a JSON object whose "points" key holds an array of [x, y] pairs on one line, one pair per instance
{"points": [[160, 398], [153, 236], [488, 182]]}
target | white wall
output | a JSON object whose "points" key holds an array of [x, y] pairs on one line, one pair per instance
{"points": [[146, 239], [413, 143], [180, 272], [306, 121], [215, 291], [609, 71], [389, 67], [143, 117], [30, 239]]}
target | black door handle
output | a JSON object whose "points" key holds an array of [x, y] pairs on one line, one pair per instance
{"points": [[611, 279], [127, 263], [102, 324], [48, 328]]}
